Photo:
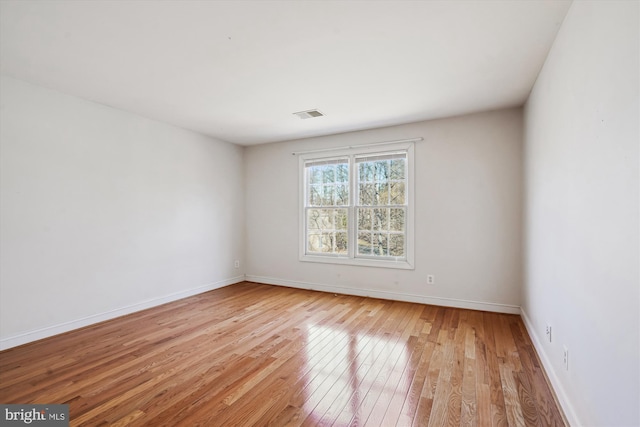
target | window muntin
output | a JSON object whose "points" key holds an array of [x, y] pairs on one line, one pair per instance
{"points": [[357, 206]]}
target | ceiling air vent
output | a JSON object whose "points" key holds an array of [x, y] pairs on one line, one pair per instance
{"points": [[309, 114]]}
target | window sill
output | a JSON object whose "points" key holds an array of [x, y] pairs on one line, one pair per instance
{"points": [[361, 262]]}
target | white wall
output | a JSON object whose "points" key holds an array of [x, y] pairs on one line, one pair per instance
{"points": [[104, 212], [468, 215], [582, 217]]}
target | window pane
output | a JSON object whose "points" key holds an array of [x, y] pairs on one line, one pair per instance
{"points": [[328, 173], [396, 219], [315, 175], [341, 219], [396, 245], [382, 194], [342, 194], [380, 219], [367, 194], [397, 193], [397, 169], [328, 195], [380, 244], [342, 173], [320, 219], [365, 171], [382, 171], [326, 216], [364, 219], [328, 242], [313, 219], [364, 243], [341, 243], [314, 242], [315, 195]]}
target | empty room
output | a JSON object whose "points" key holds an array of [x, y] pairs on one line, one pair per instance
{"points": [[336, 213]]}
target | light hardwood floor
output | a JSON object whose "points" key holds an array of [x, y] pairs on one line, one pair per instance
{"points": [[252, 354]]}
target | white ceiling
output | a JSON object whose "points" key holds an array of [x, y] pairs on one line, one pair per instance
{"points": [[237, 70]]}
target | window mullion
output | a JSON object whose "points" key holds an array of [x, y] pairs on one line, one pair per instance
{"points": [[352, 223]]}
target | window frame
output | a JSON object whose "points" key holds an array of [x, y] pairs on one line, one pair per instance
{"points": [[352, 258]]}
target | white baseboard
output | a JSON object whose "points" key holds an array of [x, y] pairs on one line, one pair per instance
{"points": [[49, 331], [563, 399], [446, 302]]}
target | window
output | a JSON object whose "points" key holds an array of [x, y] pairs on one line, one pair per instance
{"points": [[327, 207], [357, 206]]}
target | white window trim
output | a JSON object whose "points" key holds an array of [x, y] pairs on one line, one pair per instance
{"points": [[404, 263]]}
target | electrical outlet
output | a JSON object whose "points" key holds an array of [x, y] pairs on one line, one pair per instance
{"points": [[565, 360], [431, 279], [236, 264], [548, 332]]}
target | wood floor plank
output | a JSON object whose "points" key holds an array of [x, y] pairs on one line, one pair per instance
{"points": [[251, 354], [468, 416], [498, 411], [511, 400]]}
